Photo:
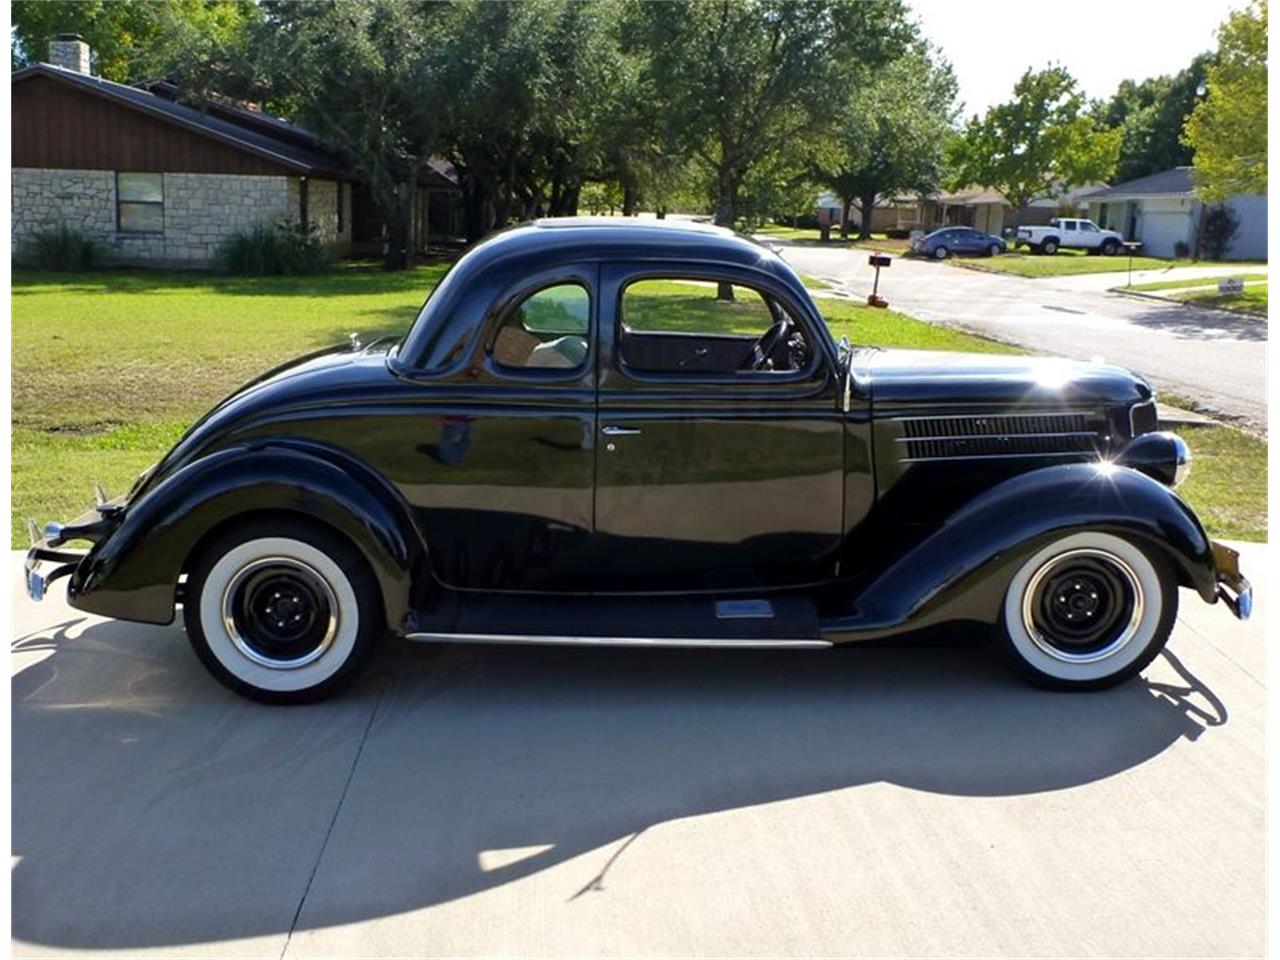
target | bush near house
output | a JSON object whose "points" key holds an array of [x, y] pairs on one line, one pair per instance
{"points": [[62, 248], [273, 249]]}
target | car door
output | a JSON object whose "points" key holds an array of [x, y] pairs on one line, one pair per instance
{"points": [[716, 468]]}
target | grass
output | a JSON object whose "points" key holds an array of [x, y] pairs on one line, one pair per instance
{"points": [[1250, 300], [878, 241], [109, 368], [1066, 263], [1193, 282]]}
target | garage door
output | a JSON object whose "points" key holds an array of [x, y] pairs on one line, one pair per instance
{"points": [[1160, 231]]}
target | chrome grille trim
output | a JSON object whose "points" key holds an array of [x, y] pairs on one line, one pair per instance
{"points": [[999, 436]]}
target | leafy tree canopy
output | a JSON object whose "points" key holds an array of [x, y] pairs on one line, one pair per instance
{"points": [[1228, 128], [131, 40], [1151, 115], [888, 136], [1037, 144]]}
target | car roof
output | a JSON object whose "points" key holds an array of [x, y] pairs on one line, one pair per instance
{"points": [[540, 247]]}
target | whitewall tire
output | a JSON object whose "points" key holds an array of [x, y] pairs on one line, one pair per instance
{"points": [[282, 612], [1088, 611]]}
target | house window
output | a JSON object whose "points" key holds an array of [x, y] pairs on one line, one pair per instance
{"points": [[140, 202]]}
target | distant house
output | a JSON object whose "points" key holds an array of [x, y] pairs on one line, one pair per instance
{"points": [[986, 209], [159, 182], [1162, 211]]}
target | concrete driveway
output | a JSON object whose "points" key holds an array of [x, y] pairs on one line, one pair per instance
{"points": [[1213, 356], [908, 801]]}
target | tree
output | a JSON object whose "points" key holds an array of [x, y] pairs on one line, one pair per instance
{"points": [[358, 74], [740, 80], [1037, 145], [130, 40], [1151, 115], [889, 136], [1221, 224], [1228, 128]]}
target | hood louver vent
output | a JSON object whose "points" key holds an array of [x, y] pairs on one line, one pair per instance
{"points": [[1017, 435]]}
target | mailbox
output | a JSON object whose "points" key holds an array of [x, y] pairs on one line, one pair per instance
{"points": [[878, 260]]}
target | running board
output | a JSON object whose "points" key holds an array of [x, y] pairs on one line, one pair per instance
{"points": [[703, 642]]}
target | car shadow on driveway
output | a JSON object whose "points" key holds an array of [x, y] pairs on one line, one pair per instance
{"points": [[151, 808]]}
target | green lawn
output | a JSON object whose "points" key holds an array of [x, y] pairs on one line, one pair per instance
{"points": [[1251, 300], [878, 241], [1193, 282], [1068, 263], [109, 368]]}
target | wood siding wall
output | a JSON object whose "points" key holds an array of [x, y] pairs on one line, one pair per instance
{"points": [[56, 126]]}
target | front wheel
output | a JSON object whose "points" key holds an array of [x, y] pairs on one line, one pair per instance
{"points": [[1110, 248], [940, 253], [994, 250], [282, 612], [1088, 611]]}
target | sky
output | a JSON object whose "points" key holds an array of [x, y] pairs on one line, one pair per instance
{"points": [[990, 43]]}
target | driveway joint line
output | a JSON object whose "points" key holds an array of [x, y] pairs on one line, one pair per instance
{"points": [[337, 810]]}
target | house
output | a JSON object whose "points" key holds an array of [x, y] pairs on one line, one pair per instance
{"points": [[159, 182], [1162, 211], [986, 209]]}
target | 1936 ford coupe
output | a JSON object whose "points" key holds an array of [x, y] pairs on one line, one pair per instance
{"points": [[638, 433]]}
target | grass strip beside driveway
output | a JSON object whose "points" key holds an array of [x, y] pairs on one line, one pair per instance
{"points": [[1067, 263], [1186, 282], [109, 368], [1250, 300]]}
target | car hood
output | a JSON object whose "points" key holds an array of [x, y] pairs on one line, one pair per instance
{"points": [[910, 377]]}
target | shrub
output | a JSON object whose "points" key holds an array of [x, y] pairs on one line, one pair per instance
{"points": [[1221, 224], [1181, 250], [63, 248], [284, 247]]}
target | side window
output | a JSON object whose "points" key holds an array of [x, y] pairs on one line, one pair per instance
{"points": [[1069, 225], [699, 327], [547, 331], [1087, 227], [140, 202]]}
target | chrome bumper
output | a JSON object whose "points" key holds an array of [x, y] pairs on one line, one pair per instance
{"points": [[46, 564], [1234, 590]]}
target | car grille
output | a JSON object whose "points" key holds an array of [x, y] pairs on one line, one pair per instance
{"points": [[1016, 435]]}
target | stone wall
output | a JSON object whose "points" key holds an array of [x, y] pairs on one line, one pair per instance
{"points": [[200, 211]]}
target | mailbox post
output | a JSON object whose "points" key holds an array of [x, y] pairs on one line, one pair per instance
{"points": [[878, 260]]}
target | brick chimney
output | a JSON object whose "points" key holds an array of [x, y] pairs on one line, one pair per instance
{"points": [[68, 50]]}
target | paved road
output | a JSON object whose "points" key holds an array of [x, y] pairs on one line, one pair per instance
{"points": [[490, 801], [1213, 356]]}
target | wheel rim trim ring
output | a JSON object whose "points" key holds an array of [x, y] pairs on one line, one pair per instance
{"points": [[1121, 640], [245, 647]]}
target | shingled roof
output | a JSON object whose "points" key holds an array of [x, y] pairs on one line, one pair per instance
{"points": [[1166, 183]]}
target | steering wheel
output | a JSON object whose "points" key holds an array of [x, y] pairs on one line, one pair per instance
{"points": [[769, 341]]}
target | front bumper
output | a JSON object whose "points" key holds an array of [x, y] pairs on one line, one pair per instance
{"points": [[1234, 590], [49, 559], [46, 564]]}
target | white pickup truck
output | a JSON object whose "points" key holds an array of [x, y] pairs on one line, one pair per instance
{"points": [[1070, 232]]}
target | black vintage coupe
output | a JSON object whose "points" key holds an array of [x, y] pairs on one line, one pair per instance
{"points": [[643, 434]]}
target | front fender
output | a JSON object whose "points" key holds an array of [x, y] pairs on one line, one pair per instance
{"points": [[960, 571], [133, 573]]}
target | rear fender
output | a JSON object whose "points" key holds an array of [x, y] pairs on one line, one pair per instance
{"points": [[133, 573], [961, 571]]}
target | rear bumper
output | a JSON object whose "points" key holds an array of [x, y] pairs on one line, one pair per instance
{"points": [[1233, 588], [45, 564]]}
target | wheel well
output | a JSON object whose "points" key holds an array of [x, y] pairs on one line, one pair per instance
{"points": [[263, 517]]}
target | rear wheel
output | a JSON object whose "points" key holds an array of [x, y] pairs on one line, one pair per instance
{"points": [[1088, 611], [1049, 247], [282, 612]]}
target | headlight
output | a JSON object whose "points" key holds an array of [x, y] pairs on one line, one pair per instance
{"points": [[1162, 456]]}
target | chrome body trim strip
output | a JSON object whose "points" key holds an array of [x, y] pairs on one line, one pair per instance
{"points": [[552, 640], [992, 416], [998, 436], [1000, 456]]}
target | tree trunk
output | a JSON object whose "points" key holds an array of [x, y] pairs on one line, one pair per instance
{"points": [[628, 199], [661, 212], [845, 203], [866, 204], [727, 207], [399, 220]]}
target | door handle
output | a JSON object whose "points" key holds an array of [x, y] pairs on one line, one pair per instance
{"points": [[615, 431]]}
